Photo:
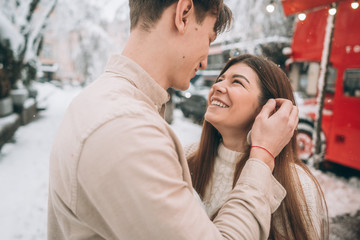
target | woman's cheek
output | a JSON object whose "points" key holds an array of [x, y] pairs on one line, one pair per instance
{"points": [[210, 94]]}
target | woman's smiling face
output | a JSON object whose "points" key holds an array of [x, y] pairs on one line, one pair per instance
{"points": [[234, 99]]}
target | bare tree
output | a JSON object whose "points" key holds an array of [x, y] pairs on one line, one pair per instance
{"points": [[21, 33], [91, 34]]}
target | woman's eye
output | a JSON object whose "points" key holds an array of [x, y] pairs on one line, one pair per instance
{"points": [[238, 82], [219, 80]]}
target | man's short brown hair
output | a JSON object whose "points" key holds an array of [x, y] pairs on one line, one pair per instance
{"points": [[148, 12]]}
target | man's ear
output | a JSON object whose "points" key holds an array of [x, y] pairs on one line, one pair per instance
{"points": [[184, 9]]}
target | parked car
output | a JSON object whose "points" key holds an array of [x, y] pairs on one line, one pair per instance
{"points": [[180, 96], [195, 107], [193, 101]]}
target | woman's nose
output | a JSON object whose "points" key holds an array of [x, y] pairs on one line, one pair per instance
{"points": [[220, 87]]}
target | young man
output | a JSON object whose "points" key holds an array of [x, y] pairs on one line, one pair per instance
{"points": [[117, 169]]}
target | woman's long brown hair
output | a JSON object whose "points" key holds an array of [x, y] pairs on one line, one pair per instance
{"points": [[296, 223]]}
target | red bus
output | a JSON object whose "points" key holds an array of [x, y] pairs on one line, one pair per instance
{"points": [[341, 112]]}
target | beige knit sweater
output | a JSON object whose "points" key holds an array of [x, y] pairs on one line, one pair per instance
{"points": [[220, 185]]}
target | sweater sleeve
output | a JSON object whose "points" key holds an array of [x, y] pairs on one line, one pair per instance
{"points": [[263, 196]]}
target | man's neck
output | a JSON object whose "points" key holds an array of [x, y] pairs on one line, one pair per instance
{"points": [[148, 51]]}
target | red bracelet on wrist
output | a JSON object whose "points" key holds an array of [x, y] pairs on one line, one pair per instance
{"points": [[265, 150]]}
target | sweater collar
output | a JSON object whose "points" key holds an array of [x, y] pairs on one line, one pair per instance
{"points": [[227, 155], [131, 71]]}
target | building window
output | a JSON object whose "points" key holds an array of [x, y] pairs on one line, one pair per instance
{"points": [[352, 83]]}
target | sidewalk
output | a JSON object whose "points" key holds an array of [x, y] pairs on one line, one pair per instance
{"points": [[24, 172]]}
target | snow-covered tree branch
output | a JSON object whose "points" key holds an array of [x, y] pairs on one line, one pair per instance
{"points": [[21, 30], [91, 31]]}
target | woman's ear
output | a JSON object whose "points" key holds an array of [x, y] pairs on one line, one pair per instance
{"points": [[184, 9]]}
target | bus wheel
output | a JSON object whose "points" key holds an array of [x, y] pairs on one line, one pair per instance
{"points": [[305, 141]]}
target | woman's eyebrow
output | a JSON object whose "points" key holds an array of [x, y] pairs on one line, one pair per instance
{"points": [[241, 76], [221, 76]]}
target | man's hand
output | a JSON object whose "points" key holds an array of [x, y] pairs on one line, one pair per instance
{"points": [[273, 129]]}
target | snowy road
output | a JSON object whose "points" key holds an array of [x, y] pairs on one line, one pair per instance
{"points": [[24, 176]]}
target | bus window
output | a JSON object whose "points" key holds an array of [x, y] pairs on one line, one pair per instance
{"points": [[331, 79], [352, 83]]}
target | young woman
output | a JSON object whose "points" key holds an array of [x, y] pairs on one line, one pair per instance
{"points": [[242, 88]]}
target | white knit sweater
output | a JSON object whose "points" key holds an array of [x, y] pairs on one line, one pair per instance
{"points": [[221, 182]]}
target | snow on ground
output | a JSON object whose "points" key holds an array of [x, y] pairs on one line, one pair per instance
{"points": [[24, 170], [342, 196]]}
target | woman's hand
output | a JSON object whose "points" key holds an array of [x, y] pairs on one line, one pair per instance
{"points": [[273, 128]]}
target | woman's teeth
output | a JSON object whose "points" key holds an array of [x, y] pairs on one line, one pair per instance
{"points": [[219, 104]]}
